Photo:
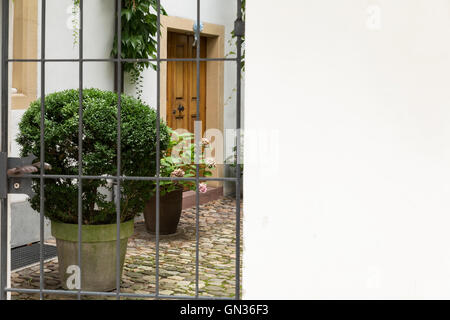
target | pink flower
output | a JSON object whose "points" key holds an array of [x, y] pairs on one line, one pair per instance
{"points": [[202, 187], [210, 163], [205, 142], [177, 173]]}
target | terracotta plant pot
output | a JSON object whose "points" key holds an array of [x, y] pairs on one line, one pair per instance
{"points": [[98, 253], [170, 207]]}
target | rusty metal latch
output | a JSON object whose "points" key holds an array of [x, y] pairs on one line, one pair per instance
{"points": [[11, 172]]}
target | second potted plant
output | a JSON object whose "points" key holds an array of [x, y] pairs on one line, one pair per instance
{"points": [[178, 162]]}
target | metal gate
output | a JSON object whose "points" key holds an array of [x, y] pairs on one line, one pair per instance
{"points": [[8, 185]]}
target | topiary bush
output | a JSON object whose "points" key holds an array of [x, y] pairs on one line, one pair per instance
{"points": [[138, 147]]}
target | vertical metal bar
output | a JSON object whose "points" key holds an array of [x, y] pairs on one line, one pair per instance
{"points": [[197, 167], [80, 145], [4, 148], [42, 155], [119, 137], [116, 89], [158, 143], [238, 155]]}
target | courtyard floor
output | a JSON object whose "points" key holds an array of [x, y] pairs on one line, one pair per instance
{"points": [[177, 259]]}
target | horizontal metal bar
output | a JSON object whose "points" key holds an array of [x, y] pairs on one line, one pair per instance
{"points": [[74, 176], [199, 59], [111, 294], [121, 60], [162, 296]]}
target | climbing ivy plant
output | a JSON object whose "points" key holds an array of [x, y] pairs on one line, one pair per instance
{"points": [[75, 21], [233, 38], [139, 29], [232, 42]]}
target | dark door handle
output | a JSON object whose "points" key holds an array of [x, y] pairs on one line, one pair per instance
{"points": [[180, 109]]}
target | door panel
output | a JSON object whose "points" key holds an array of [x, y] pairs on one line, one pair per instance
{"points": [[182, 83]]}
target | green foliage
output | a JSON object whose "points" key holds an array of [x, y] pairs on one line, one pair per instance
{"points": [[75, 21], [231, 53], [233, 160], [139, 30], [138, 153]]}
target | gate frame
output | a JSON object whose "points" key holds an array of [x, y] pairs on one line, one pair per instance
{"points": [[5, 277]]}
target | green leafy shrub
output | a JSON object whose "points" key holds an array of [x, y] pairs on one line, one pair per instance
{"points": [[138, 153]]}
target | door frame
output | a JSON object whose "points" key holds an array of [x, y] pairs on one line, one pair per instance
{"points": [[215, 35]]}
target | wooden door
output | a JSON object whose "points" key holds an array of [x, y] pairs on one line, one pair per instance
{"points": [[182, 83]]}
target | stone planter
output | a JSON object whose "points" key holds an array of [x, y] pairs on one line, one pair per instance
{"points": [[98, 253], [170, 207]]}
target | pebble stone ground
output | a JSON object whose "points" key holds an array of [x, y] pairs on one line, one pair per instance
{"points": [[177, 259]]}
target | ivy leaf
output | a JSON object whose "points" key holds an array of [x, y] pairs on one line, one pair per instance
{"points": [[127, 13]]}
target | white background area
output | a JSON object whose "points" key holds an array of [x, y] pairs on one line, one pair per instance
{"points": [[358, 205]]}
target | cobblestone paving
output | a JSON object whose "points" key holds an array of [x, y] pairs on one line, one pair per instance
{"points": [[177, 259]]}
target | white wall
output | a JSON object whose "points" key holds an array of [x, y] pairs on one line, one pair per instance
{"points": [[359, 204], [98, 37]]}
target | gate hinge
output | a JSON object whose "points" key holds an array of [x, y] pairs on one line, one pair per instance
{"points": [[239, 28], [11, 172]]}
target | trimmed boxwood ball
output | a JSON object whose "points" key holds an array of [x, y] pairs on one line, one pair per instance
{"points": [[99, 145]]}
